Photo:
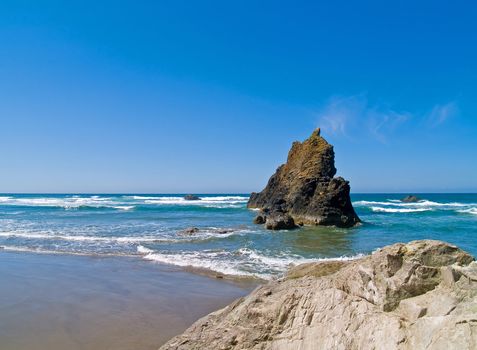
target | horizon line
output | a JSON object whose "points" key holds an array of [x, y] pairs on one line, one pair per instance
{"points": [[214, 193]]}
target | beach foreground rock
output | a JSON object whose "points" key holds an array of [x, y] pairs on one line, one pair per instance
{"points": [[304, 191], [420, 295]]}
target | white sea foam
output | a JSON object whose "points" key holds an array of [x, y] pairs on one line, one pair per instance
{"points": [[205, 260], [422, 203], [120, 203], [82, 238], [142, 197], [472, 211], [205, 201], [143, 250], [64, 202], [284, 261], [399, 210], [396, 206], [124, 207], [244, 262], [22, 249], [38, 250], [27, 250]]}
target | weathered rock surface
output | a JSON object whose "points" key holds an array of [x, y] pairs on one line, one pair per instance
{"points": [[410, 199], [306, 190], [420, 295], [191, 197]]}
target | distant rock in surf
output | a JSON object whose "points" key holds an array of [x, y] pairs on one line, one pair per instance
{"points": [[304, 191], [188, 231], [223, 231], [410, 199], [192, 197], [193, 230]]}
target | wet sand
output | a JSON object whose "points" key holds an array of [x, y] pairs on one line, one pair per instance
{"points": [[59, 302]]}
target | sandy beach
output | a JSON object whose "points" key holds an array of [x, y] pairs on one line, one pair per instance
{"points": [[59, 302]]}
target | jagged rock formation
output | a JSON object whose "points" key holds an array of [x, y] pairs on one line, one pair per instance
{"points": [[420, 295], [305, 191]]}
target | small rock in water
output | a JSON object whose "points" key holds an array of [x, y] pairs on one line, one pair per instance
{"points": [[279, 221], [259, 219], [223, 231], [410, 199], [192, 197], [188, 231]]}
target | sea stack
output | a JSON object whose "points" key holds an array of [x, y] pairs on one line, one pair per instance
{"points": [[304, 191]]}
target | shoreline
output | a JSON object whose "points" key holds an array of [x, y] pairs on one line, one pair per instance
{"points": [[196, 270], [66, 301]]}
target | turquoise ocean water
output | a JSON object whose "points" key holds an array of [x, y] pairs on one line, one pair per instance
{"points": [[148, 227]]}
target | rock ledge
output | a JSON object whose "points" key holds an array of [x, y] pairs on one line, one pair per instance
{"points": [[420, 295]]}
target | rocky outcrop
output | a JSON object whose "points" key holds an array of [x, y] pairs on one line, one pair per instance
{"points": [[410, 199], [189, 231], [304, 190], [420, 295], [191, 197]]}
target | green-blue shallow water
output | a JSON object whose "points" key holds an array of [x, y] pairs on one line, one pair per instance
{"points": [[148, 226]]}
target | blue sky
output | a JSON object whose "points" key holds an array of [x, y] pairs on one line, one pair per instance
{"points": [[207, 96]]}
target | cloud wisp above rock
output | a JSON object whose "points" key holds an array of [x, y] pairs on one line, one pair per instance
{"points": [[345, 115], [441, 113]]}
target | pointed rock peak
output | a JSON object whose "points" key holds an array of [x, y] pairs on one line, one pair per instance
{"points": [[305, 191]]}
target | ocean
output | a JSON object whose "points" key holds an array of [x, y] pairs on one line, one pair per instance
{"points": [[149, 227]]}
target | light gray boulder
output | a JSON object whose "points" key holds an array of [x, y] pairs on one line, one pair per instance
{"points": [[420, 295]]}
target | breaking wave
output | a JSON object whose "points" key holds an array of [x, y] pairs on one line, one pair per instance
{"points": [[244, 262], [397, 206], [81, 238], [152, 227], [399, 210], [125, 203], [472, 211]]}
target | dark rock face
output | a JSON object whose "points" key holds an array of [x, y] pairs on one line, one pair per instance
{"points": [[305, 189], [410, 199], [279, 221], [260, 219], [191, 197]]}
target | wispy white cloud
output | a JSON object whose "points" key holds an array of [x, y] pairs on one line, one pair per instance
{"points": [[345, 115], [340, 113], [382, 123], [351, 115], [441, 113]]}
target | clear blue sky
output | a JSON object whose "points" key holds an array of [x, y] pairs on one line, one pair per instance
{"points": [[207, 96]]}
